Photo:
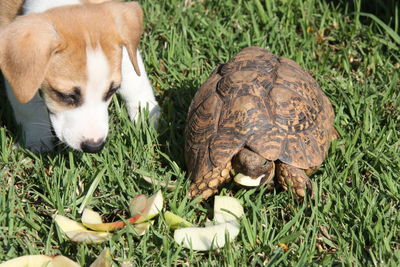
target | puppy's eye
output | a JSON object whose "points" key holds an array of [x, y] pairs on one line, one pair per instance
{"points": [[113, 88], [72, 99]]}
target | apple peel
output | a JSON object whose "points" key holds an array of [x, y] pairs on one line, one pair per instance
{"points": [[138, 204], [112, 226], [154, 205], [174, 221], [139, 228], [142, 209]]}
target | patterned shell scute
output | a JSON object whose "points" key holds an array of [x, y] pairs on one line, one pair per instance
{"points": [[302, 110], [266, 103]]}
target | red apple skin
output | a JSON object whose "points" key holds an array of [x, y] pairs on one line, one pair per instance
{"points": [[113, 225]]}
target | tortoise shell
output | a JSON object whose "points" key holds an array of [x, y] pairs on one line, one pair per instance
{"points": [[257, 100]]}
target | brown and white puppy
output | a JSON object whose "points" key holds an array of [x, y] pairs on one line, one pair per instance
{"points": [[78, 56]]}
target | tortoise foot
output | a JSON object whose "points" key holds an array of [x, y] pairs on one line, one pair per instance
{"points": [[205, 194], [294, 178], [208, 185]]}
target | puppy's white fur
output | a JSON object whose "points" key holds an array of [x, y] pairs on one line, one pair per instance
{"points": [[140, 95], [37, 6], [90, 120]]}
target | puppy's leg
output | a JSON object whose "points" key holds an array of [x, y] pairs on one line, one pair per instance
{"points": [[33, 118], [136, 90]]}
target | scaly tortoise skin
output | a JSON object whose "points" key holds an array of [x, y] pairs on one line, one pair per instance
{"points": [[257, 109]]}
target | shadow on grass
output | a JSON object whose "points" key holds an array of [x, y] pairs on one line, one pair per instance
{"points": [[383, 9], [6, 113], [175, 104]]}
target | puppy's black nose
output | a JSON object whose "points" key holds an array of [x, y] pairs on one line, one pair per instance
{"points": [[90, 146]]}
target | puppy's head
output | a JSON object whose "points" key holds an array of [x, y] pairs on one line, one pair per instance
{"points": [[73, 54]]}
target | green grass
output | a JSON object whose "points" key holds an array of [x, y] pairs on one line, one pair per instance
{"points": [[354, 218]]}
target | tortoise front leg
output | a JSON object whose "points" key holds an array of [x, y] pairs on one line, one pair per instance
{"points": [[295, 178], [208, 185]]}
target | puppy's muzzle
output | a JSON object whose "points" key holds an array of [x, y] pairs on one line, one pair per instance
{"points": [[91, 146]]}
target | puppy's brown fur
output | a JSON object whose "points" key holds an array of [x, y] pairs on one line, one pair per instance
{"points": [[9, 9], [41, 50]]}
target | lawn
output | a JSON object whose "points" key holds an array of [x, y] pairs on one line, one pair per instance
{"points": [[354, 218]]}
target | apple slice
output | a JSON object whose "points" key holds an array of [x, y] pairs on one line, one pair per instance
{"points": [[141, 207], [169, 184], [62, 261], [141, 228], [112, 226], [227, 209], [207, 238], [78, 233], [40, 261], [173, 221], [138, 204], [93, 220], [247, 180], [28, 261], [103, 260], [91, 217], [153, 207]]}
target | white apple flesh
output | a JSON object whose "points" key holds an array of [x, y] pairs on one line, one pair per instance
{"points": [[227, 212], [40, 261], [247, 180], [207, 238], [79, 233], [227, 209]]}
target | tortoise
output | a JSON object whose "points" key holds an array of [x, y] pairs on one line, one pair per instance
{"points": [[257, 114]]}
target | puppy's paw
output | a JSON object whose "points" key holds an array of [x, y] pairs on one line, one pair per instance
{"points": [[153, 114], [38, 138], [40, 147]]}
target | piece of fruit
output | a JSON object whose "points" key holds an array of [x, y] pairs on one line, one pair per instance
{"points": [[153, 206], [97, 223], [227, 209], [169, 185], [150, 207], [173, 221], [103, 260], [138, 204], [91, 217], [62, 261], [247, 180], [28, 261], [227, 212], [141, 228], [40, 261], [78, 233], [207, 238], [112, 226]]}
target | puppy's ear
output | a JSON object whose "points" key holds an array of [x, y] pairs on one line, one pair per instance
{"points": [[26, 46], [128, 19]]}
